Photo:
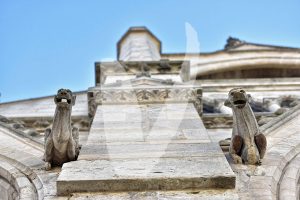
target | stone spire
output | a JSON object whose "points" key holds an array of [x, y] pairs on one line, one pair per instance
{"points": [[139, 44]]}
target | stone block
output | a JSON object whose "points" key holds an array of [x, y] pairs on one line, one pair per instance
{"points": [[159, 152], [145, 174]]}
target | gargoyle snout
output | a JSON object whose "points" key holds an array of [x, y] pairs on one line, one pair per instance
{"points": [[238, 95], [63, 93], [239, 98], [63, 97]]}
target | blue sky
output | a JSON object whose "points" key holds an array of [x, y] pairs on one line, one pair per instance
{"points": [[50, 44]]}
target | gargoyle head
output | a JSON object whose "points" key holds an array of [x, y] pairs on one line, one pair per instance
{"points": [[238, 98], [64, 98]]}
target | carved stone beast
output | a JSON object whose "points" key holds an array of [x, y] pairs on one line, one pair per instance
{"points": [[248, 144], [61, 143]]}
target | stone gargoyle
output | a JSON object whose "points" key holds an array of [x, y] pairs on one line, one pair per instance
{"points": [[248, 144], [61, 142]]}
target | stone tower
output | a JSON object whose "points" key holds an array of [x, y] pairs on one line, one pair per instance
{"points": [[138, 43]]}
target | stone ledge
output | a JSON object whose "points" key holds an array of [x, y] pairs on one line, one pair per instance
{"points": [[7, 190], [288, 187], [280, 120], [5, 128], [22, 178], [207, 194], [19, 181], [145, 174]]}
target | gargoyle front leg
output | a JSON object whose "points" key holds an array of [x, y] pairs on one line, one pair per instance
{"points": [[72, 149], [75, 135], [261, 143], [48, 149], [235, 149]]}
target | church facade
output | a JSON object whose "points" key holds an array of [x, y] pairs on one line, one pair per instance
{"points": [[155, 126]]}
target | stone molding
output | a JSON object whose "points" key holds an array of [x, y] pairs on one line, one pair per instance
{"points": [[168, 94], [232, 43], [281, 101], [34, 141], [280, 120], [24, 182], [104, 69], [275, 61], [221, 120]]}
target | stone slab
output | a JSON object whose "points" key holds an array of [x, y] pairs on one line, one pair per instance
{"points": [[140, 135], [217, 194], [144, 174], [146, 148]]}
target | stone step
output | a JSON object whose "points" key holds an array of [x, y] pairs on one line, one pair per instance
{"points": [[138, 135], [140, 150], [207, 194], [151, 124], [146, 148], [145, 174]]}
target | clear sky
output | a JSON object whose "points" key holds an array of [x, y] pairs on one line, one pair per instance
{"points": [[50, 44]]}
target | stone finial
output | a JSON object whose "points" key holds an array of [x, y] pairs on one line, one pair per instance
{"points": [[138, 43], [233, 42], [144, 70]]}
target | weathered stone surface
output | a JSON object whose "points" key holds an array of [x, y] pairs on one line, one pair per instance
{"points": [[138, 43], [7, 191], [207, 194], [61, 142], [160, 138], [166, 148], [41, 107], [144, 174], [20, 186], [278, 176], [248, 144], [147, 150]]}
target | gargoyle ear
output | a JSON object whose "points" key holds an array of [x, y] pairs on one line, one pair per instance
{"points": [[249, 97], [227, 103], [73, 99]]}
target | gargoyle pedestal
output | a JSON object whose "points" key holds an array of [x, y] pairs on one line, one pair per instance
{"points": [[61, 142], [248, 144]]}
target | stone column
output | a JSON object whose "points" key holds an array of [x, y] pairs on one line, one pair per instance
{"points": [[137, 44]]}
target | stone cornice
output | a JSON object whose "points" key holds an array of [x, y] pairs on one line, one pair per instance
{"points": [[104, 69], [146, 95]]}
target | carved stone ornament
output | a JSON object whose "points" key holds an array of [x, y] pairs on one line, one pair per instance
{"points": [[248, 144], [147, 95], [61, 142], [233, 43]]}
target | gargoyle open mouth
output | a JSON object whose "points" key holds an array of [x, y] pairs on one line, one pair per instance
{"points": [[63, 100], [240, 103]]}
